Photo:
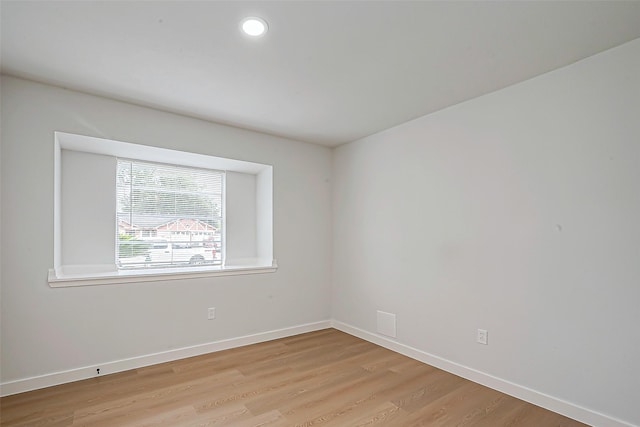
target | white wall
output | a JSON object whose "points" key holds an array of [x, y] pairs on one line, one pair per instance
{"points": [[264, 220], [516, 212], [241, 217], [88, 208], [46, 330]]}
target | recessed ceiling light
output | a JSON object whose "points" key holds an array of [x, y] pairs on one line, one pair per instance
{"points": [[254, 27]]}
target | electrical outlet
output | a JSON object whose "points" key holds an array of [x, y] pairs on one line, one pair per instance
{"points": [[211, 313], [483, 336]]}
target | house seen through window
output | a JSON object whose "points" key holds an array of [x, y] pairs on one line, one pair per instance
{"points": [[168, 216]]}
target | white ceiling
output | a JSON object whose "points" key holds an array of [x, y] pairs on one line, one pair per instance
{"points": [[327, 72]]}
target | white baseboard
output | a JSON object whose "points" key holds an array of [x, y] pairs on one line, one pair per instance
{"points": [[56, 378], [551, 403]]}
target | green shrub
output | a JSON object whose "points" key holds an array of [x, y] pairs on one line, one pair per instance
{"points": [[130, 247]]}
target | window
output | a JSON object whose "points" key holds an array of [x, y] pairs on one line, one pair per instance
{"points": [[128, 213], [167, 215]]}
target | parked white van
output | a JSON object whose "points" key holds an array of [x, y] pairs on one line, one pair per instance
{"points": [[163, 253], [194, 253]]}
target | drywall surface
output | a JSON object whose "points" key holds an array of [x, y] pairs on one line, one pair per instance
{"points": [[517, 212], [47, 330], [241, 223], [88, 182]]}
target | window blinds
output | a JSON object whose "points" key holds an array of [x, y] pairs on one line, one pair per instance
{"points": [[168, 215]]}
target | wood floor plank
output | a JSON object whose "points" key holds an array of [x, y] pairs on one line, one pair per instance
{"points": [[322, 379], [222, 415], [384, 414], [271, 419], [165, 398], [434, 385]]}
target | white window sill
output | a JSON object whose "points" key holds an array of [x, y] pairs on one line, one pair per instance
{"points": [[98, 275]]}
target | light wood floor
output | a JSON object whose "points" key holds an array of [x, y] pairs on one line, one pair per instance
{"points": [[324, 378]]}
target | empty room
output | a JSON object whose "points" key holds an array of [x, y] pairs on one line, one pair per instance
{"points": [[320, 213]]}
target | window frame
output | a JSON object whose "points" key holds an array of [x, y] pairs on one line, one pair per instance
{"points": [[62, 275]]}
